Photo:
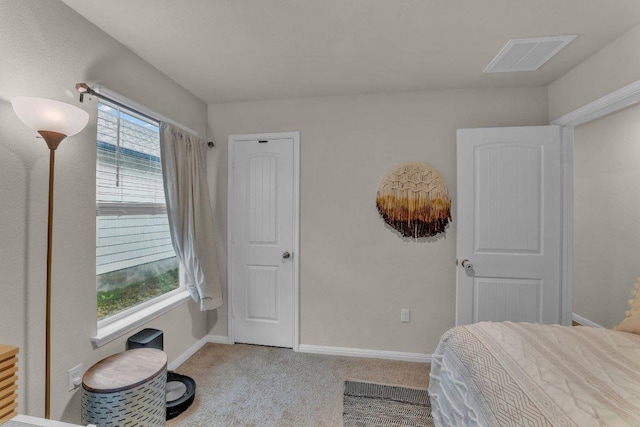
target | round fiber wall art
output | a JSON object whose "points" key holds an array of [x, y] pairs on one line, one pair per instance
{"points": [[414, 200]]}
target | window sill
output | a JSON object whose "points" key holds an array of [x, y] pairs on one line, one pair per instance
{"points": [[120, 327]]}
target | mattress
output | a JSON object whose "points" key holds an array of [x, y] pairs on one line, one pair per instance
{"points": [[521, 374]]}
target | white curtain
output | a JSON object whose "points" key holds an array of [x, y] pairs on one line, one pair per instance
{"points": [[184, 171]]}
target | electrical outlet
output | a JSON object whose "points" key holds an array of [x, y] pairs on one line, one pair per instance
{"points": [[405, 315], [75, 377]]}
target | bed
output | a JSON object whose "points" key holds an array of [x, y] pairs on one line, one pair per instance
{"points": [[523, 374]]}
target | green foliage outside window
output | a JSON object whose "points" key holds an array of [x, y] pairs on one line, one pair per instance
{"points": [[121, 298]]}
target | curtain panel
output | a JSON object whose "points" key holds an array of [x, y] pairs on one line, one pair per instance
{"points": [[184, 171]]}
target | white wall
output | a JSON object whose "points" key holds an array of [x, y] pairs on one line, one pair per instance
{"points": [[607, 208], [46, 48], [603, 252], [615, 66], [356, 274]]}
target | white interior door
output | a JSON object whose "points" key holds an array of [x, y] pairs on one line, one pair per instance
{"points": [[263, 241], [509, 217]]}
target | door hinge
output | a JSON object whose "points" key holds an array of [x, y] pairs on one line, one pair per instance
{"points": [[262, 141]]}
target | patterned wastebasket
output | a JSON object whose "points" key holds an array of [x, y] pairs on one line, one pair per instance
{"points": [[125, 390]]}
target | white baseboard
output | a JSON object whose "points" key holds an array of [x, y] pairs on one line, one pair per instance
{"points": [[584, 321], [217, 339], [360, 352], [308, 348]]}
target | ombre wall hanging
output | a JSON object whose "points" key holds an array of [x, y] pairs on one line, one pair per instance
{"points": [[413, 199]]}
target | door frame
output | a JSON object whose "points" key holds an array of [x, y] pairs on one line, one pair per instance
{"points": [[608, 104], [296, 227]]}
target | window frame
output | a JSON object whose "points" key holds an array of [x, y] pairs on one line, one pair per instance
{"points": [[117, 328], [116, 325]]}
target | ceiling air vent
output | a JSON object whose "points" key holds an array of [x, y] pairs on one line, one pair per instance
{"points": [[527, 54]]}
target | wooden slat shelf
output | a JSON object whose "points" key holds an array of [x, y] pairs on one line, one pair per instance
{"points": [[8, 382], [8, 391], [8, 363]]}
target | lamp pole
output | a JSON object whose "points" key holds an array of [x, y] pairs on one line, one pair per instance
{"points": [[53, 139]]}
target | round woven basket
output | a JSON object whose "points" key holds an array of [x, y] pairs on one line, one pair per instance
{"points": [[414, 200]]}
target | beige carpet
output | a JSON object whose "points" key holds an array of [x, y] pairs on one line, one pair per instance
{"points": [[246, 385]]}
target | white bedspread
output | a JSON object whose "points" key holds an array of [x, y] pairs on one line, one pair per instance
{"points": [[520, 374]]}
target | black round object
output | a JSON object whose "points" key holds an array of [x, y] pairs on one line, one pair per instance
{"points": [[181, 390]]}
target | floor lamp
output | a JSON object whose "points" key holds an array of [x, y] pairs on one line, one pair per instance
{"points": [[54, 121]]}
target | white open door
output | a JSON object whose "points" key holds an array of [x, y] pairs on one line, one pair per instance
{"points": [[509, 217], [263, 240]]}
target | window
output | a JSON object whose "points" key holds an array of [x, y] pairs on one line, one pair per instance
{"points": [[135, 261]]}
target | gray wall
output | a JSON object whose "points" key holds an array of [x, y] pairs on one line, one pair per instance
{"points": [[355, 274], [46, 48], [613, 67], [605, 234], [607, 208]]}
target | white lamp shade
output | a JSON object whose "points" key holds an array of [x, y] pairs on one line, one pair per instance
{"points": [[42, 114]]}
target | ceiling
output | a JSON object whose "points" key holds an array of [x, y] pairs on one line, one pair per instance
{"points": [[245, 50]]}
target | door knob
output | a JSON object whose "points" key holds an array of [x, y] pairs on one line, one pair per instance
{"points": [[467, 264], [286, 255]]}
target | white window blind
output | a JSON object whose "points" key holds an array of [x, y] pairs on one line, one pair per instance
{"points": [[129, 174]]}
